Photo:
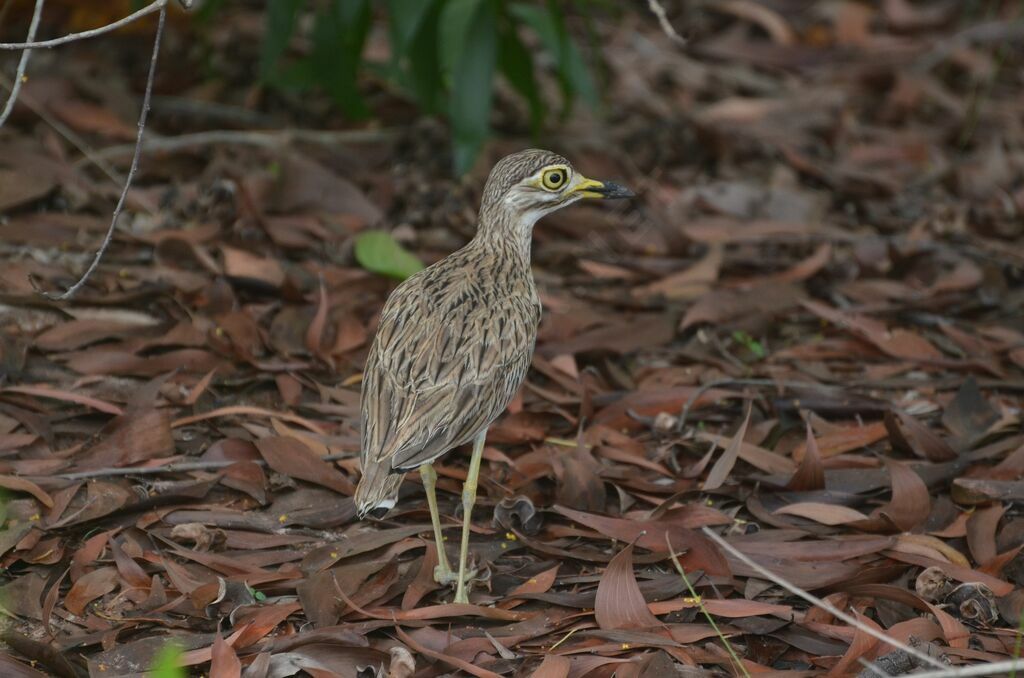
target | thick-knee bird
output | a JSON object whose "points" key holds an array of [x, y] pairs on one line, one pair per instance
{"points": [[455, 341]]}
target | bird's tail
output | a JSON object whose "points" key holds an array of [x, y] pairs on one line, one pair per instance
{"points": [[377, 491]]}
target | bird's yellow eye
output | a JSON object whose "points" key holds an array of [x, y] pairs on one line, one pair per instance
{"points": [[554, 179]]}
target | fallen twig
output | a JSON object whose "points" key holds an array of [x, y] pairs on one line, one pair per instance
{"points": [[19, 76], [659, 12], [260, 138], [174, 468], [825, 605]]}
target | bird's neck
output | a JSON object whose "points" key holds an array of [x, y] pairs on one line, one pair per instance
{"points": [[506, 233]]}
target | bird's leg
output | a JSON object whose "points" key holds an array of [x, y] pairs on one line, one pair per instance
{"points": [[443, 572], [468, 499]]}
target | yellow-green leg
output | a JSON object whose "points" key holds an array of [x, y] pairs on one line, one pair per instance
{"points": [[443, 571], [468, 499]]}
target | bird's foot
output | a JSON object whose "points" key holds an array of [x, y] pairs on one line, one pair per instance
{"points": [[445, 576]]}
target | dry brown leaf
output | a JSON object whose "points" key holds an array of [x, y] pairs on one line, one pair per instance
{"points": [[225, 661], [247, 266], [619, 603], [89, 587], [898, 343], [826, 514], [44, 391], [24, 485], [810, 475], [720, 471], [907, 433], [722, 306], [290, 457], [909, 506], [691, 283], [981, 532]]}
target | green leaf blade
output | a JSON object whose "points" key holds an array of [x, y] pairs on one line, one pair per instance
{"points": [[378, 252], [281, 19], [472, 26], [516, 63]]}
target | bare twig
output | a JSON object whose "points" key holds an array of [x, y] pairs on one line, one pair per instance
{"points": [[259, 138], [155, 6], [659, 12], [173, 468], [823, 604], [987, 669], [146, 97], [19, 77], [997, 31]]}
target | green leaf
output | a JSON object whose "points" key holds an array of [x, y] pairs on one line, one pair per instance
{"points": [[167, 663], [377, 251], [405, 17], [573, 74], [453, 30], [578, 74], [281, 18], [339, 35], [516, 63], [469, 49], [751, 344], [414, 48]]}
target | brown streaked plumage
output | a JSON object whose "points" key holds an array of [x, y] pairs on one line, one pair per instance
{"points": [[456, 339]]}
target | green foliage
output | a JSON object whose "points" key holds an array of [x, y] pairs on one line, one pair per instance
{"points": [[167, 663], [751, 344], [377, 251], [445, 54]]}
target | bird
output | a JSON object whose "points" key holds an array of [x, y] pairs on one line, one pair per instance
{"points": [[454, 343]]}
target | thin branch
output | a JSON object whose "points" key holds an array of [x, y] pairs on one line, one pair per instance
{"points": [[19, 77], [173, 468], [155, 6], [659, 12], [259, 138], [146, 98], [989, 669], [823, 604]]}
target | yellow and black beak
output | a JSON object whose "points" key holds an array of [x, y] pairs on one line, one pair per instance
{"points": [[605, 190]]}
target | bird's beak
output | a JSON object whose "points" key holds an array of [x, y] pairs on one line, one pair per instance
{"points": [[607, 190]]}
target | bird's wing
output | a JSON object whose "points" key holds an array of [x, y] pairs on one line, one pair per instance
{"points": [[441, 370]]}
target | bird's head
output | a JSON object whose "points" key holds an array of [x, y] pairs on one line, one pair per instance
{"points": [[527, 185]]}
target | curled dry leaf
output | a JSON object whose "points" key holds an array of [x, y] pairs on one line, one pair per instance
{"points": [[826, 514], [24, 485], [720, 471], [290, 457], [89, 587], [518, 513], [909, 506], [907, 433], [810, 475], [225, 663], [619, 603]]}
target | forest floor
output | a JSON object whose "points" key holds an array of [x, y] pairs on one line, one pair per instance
{"points": [[806, 334]]}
